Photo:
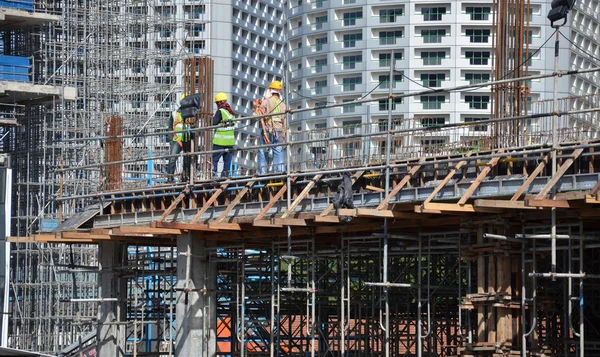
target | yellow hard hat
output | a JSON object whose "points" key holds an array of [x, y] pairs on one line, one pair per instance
{"points": [[182, 96], [276, 85], [221, 97]]}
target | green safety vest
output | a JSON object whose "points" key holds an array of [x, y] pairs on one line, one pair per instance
{"points": [[182, 135], [225, 135], [276, 110]]}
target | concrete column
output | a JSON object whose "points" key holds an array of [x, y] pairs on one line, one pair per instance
{"points": [[111, 333], [196, 299]]}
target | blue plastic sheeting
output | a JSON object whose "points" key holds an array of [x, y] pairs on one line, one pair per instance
{"points": [[13, 68], [17, 4]]}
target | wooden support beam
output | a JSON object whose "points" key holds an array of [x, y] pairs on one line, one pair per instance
{"points": [[595, 189], [530, 179], [554, 203], [452, 207], [406, 179], [224, 226], [559, 174], [266, 223], [503, 204], [376, 213], [174, 205], [592, 199], [272, 202], [208, 203], [145, 230], [492, 163], [374, 189], [448, 177], [327, 219], [291, 222], [187, 226], [301, 196], [355, 177], [236, 200]]}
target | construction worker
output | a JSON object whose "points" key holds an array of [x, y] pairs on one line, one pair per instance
{"points": [[182, 141], [224, 138], [273, 127]]}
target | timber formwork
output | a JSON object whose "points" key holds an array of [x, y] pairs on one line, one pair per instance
{"points": [[455, 260]]}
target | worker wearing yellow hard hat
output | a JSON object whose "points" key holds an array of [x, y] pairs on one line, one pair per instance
{"points": [[224, 136], [273, 127], [182, 141]]}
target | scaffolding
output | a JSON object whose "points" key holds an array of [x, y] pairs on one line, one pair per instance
{"points": [[388, 284]]}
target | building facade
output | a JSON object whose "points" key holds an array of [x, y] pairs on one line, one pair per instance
{"points": [[341, 50]]}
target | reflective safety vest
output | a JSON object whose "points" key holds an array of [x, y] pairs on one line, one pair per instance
{"points": [[182, 134], [225, 135], [276, 109]]}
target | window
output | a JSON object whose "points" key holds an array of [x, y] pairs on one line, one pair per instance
{"points": [[474, 78], [319, 21], [433, 79], [482, 127], [432, 144], [478, 57], [319, 64], [350, 127], [350, 18], [349, 84], [389, 37], [384, 103], [432, 101], [479, 13], [433, 13], [477, 101], [319, 85], [433, 58], [385, 83], [350, 39], [427, 122], [196, 29], [385, 59], [350, 108], [433, 36], [478, 35], [320, 42], [389, 15], [319, 105], [349, 62]]}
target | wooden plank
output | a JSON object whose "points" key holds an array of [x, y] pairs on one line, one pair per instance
{"points": [[452, 207], [374, 189], [208, 203], [592, 200], [448, 177], [530, 179], [224, 226], [400, 185], [553, 203], [595, 189], [272, 201], [492, 163], [355, 177], [301, 196], [174, 205], [187, 226], [375, 213], [291, 222], [235, 201], [327, 219], [504, 204], [559, 174], [266, 223], [146, 230]]}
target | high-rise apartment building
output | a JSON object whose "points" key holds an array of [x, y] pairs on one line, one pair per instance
{"points": [[341, 50]]}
